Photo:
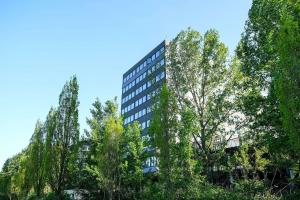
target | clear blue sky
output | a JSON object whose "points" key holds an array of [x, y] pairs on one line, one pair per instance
{"points": [[43, 43]]}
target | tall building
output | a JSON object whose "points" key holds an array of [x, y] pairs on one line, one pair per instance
{"points": [[141, 83]]}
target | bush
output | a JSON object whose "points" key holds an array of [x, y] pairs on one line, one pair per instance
{"points": [[33, 197], [292, 196], [252, 189], [4, 197], [244, 190], [52, 196]]}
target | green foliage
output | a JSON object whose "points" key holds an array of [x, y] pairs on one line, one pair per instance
{"points": [[35, 168], [132, 161], [266, 53], [4, 197], [208, 101], [63, 137], [250, 187], [288, 72], [251, 159], [292, 196], [106, 133], [201, 80], [163, 134], [53, 196], [116, 154], [171, 135]]}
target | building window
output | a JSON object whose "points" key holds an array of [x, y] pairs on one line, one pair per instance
{"points": [[148, 109], [143, 125], [153, 57], [157, 66], [153, 68], [157, 54], [157, 78], [162, 62]]}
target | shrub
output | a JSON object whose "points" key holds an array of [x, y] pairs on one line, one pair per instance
{"points": [[4, 197], [52, 196]]}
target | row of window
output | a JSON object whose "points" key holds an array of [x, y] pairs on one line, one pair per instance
{"points": [[136, 92], [145, 124], [135, 116], [160, 76], [138, 115], [141, 101], [144, 87], [143, 76], [128, 87], [143, 65], [140, 78], [128, 97], [156, 67], [131, 84], [128, 108], [141, 89], [134, 105]]}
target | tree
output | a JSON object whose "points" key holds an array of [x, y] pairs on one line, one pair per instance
{"points": [[162, 132], [13, 179], [63, 137], [132, 161], [288, 72], [170, 133], [36, 159], [252, 159], [106, 134], [201, 81], [184, 149], [259, 58]]}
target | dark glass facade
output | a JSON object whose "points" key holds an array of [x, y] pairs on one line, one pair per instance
{"points": [[141, 83]]}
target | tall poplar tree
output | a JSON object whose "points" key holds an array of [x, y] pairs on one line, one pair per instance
{"points": [[63, 137], [288, 72], [170, 133], [36, 159]]}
